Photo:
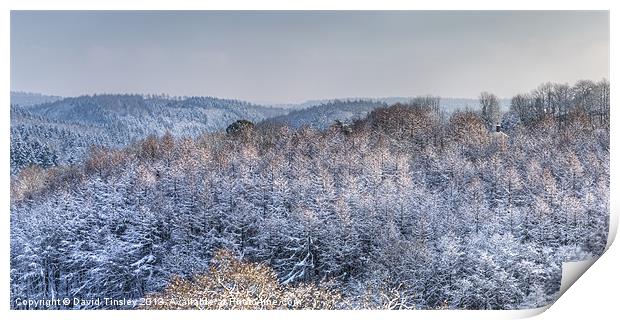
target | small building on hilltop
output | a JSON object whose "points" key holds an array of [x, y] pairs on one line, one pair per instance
{"points": [[499, 137]]}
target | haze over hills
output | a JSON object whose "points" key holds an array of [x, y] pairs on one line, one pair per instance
{"points": [[322, 113], [447, 103], [26, 99]]}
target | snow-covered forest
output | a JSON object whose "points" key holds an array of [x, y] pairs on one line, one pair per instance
{"points": [[407, 207]]}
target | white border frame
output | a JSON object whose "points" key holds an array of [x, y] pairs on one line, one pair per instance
{"points": [[595, 294]]}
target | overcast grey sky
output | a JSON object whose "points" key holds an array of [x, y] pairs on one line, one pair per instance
{"points": [[294, 56]]}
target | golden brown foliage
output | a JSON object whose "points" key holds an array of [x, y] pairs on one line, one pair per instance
{"points": [[34, 180], [234, 284], [29, 180], [468, 128], [103, 161]]}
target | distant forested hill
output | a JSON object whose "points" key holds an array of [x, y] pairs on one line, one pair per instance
{"points": [[322, 113], [31, 99], [62, 132]]}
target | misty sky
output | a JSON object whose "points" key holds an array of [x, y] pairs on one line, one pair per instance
{"points": [[294, 56]]}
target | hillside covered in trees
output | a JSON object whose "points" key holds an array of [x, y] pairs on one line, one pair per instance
{"points": [[323, 113], [49, 130], [407, 207], [61, 132]]}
